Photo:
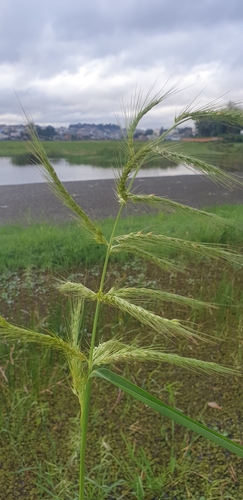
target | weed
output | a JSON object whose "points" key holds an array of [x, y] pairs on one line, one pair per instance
{"points": [[88, 357]]}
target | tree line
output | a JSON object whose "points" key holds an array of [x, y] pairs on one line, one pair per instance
{"points": [[206, 127]]}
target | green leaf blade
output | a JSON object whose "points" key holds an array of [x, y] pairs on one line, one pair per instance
{"points": [[175, 415]]}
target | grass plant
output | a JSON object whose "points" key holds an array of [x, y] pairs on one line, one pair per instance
{"points": [[89, 357]]}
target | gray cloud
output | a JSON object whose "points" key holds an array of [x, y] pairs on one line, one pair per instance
{"points": [[78, 59]]}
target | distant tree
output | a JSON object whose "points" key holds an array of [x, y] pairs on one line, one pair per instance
{"points": [[45, 133], [162, 130], [208, 128]]}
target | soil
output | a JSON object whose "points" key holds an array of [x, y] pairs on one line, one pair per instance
{"points": [[35, 440]]}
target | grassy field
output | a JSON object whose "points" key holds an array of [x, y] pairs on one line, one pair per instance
{"points": [[102, 153], [132, 452], [51, 247]]}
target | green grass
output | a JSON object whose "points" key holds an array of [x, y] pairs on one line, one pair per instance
{"points": [[106, 153], [87, 152], [99, 153], [62, 247]]}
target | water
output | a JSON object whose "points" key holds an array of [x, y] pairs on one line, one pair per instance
{"points": [[28, 174]]}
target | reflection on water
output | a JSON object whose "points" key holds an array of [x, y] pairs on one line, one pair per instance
{"points": [[28, 174], [24, 159]]}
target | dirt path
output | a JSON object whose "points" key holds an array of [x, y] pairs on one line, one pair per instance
{"points": [[23, 203]]}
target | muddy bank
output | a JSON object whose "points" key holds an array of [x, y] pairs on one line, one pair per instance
{"points": [[22, 203]]}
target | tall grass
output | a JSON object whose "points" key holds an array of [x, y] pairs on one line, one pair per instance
{"points": [[89, 357]]}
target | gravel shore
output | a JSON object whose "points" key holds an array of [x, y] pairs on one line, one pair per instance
{"points": [[35, 202]]}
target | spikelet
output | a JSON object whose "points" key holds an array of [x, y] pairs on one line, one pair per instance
{"points": [[155, 243], [14, 333], [216, 174], [138, 295], [168, 206], [168, 328], [60, 191], [232, 116], [115, 351]]}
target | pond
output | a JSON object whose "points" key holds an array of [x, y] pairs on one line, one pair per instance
{"points": [[11, 174]]}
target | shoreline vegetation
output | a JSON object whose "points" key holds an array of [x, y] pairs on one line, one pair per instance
{"points": [[228, 155]]}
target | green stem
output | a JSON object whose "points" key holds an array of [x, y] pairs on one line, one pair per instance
{"points": [[84, 408], [87, 392]]}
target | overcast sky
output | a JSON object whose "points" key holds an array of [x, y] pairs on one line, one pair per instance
{"points": [[76, 61]]}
